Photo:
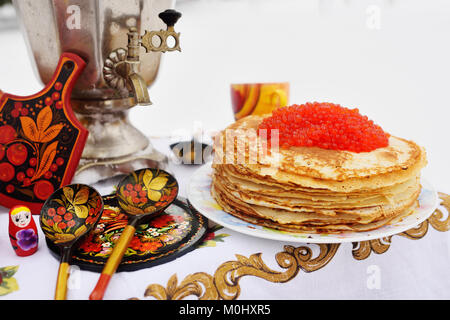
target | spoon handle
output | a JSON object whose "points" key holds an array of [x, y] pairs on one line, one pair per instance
{"points": [[113, 262], [63, 275]]}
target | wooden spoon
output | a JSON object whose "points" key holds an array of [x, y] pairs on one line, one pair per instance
{"points": [[68, 214], [142, 194]]}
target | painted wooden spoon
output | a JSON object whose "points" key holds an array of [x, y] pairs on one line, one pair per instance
{"points": [[142, 194], [66, 216]]}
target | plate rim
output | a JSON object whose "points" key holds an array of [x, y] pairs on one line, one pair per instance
{"points": [[303, 237]]}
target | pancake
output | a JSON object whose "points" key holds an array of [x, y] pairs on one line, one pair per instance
{"points": [[336, 227], [299, 204], [310, 188], [302, 214], [293, 194]]}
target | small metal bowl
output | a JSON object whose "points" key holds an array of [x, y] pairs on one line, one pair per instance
{"points": [[191, 152]]}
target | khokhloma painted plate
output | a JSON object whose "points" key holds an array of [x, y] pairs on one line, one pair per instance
{"points": [[199, 196], [162, 238]]}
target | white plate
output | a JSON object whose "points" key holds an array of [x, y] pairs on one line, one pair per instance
{"points": [[200, 197]]}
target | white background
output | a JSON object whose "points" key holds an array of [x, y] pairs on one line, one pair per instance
{"points": [[397, 74]]}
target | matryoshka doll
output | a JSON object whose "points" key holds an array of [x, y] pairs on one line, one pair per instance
{"points": [[22, 231]]}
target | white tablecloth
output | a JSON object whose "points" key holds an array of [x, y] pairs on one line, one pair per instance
{"points": [[394, 69]]}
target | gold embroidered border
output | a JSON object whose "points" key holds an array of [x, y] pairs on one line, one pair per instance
{"points": [[224, 284]]}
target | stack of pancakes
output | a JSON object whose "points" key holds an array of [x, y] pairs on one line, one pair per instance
{"points": [[311, 189]]}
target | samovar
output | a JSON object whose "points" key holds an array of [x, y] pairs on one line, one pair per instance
{"points": [[123, 55]]}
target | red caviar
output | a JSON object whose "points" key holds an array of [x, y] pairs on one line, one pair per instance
{"points": [[325, 125]]}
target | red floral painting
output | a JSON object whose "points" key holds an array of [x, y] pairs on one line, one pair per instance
{"points": [[161, 231], [147, 191], [40, 140], [70, 212]]}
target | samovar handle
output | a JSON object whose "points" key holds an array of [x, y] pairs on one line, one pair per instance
{"points": [[170, 17], [128, 70]]}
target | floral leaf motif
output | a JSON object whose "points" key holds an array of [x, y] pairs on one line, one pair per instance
{"points": [[50, 133], [437, 220], [46, 160], [130, 209], [153, 195], [154, 186], [80, 230], [48, 231], [198, 284], [158, 183], [44, 119], [29, 129], [60, 202], [92, 202], [172, 285], [81, 211], [82, 196], [39, 131], [157, 291], [9, 271], [68, 193], [213, 242], [8, 283], [63, 237], [147, 177]]}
